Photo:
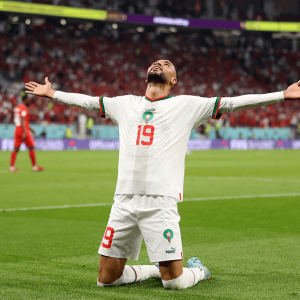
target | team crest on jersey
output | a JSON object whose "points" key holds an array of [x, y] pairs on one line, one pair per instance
{"points": [[147, 116], [168, 235]]}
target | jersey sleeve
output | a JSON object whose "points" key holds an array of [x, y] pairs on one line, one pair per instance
{"points": [[112, 107], [202, 109]]}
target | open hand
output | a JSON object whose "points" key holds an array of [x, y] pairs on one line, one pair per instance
{"points": [[292, 92], [40, 89]]}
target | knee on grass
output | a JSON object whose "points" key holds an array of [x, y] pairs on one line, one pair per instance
{"points": [[118, 282], [175, 284]]}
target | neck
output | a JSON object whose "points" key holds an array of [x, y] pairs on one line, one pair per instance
{"points": [[157, 90]]}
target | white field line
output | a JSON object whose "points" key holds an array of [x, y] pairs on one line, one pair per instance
{"points": [[245, 178], [54, 207], [243, 197], [185, 199], [64, 173]]}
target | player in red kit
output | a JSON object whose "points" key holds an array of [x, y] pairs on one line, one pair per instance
{"points": [[23, 135]]}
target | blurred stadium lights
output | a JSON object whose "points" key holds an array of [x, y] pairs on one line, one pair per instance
{"points": [[236, 32], [173, 29], [226, 33], [80, 26], [286, 35], [222, 33], [15, 19], [63, 22], [114, 26], [38, 21], [162, 29], [27, 21], [140, 29], [87, 26]]}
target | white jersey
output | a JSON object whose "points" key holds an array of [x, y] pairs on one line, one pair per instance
{"points": [[154, 134], [153, 139]]}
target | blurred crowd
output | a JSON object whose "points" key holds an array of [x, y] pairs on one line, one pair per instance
{"points": [[265, 10], [111, 62]]}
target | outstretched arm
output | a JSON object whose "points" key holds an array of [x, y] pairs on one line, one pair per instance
{"points": [[248, 101], [292, 92], [73, 99]]}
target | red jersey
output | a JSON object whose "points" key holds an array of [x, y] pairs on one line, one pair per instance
{"points": [[21, 111]]}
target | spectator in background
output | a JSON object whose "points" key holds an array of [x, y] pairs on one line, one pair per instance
{"points": [[89, 127], [69, 133], [233, 65], [23, 135]]}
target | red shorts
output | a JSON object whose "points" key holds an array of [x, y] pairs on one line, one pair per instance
{"points": [[29, 141]]}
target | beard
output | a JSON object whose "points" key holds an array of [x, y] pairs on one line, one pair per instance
{"points": [[158, 78]]}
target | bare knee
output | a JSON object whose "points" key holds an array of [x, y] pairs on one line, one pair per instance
{"points": [[170, 269], [110, 269]]}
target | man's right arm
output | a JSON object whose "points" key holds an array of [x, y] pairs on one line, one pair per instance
{"points": [[249, 101], [74, 99]]}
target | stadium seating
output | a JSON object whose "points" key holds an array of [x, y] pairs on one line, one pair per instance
{"points": [[99, 62]]}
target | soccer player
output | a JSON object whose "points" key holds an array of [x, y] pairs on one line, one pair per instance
{"points": [[23, 135], [154, 132]]}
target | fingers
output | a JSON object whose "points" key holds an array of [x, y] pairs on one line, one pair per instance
{"points": [[29, 88], [47, 81], [31, 85]]}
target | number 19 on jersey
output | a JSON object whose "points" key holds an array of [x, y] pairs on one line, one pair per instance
{"points": [[147, 132]]}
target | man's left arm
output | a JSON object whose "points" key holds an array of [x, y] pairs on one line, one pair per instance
{"points": [[249, 101]]}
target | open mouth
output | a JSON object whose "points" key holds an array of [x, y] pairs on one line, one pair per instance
{"points": [[156, 69]]}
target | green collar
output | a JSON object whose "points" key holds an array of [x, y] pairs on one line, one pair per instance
{"points": [[158, 99]]}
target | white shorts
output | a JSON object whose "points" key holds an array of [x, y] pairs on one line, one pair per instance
{"points": [[134, 217]]}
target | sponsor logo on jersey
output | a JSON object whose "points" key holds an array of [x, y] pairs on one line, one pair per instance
{"points": [[168, 235], [147, 116], [173, 250]]}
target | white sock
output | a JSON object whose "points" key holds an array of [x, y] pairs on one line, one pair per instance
{"points": [[134, 274], [188, 278], [139, 273]]}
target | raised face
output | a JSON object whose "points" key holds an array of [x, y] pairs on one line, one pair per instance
{"points": [[162, 71]]}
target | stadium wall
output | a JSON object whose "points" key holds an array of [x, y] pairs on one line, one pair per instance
{"points": [[108, 132], [100, 144]]}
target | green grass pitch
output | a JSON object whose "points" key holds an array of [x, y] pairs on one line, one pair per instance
{"points": [[241, 217]]}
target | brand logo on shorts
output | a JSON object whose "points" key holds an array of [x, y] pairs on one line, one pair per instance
{"points": [[168, 235], [173, 250], [147, 116]]}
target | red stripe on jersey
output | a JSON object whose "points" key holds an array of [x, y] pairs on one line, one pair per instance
{"points": [[215, 116], [157, 98], [180, 196], [100, 106]]}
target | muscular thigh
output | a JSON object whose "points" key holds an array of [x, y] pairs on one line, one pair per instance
{"points": [[159, 224], [122, 237]]}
